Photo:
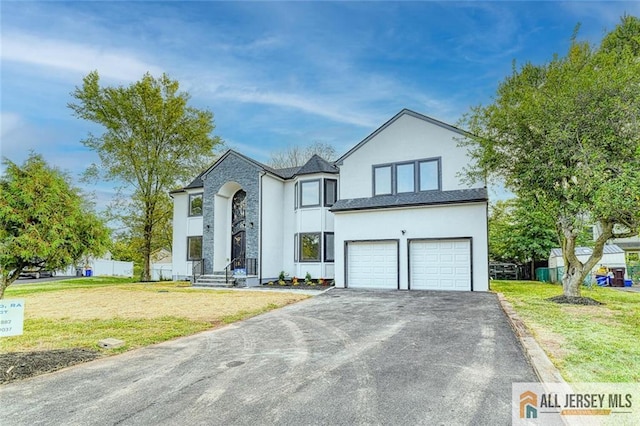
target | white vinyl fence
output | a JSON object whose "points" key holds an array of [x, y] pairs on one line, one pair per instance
{"points": [[161, 272], [114, 268]]}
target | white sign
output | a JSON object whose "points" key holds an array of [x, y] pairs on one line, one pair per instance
{"points": [[11, 317]]}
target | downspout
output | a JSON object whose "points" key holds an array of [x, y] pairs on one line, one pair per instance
{"points": [[262, 173]]}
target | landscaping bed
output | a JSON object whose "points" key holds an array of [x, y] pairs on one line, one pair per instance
{"points": [[22, 365], [300, 284]]}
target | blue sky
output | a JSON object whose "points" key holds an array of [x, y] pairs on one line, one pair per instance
{"points": [[275, 74]]}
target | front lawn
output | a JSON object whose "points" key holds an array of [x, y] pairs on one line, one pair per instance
{"points": [[586, 343], [64, 317]]}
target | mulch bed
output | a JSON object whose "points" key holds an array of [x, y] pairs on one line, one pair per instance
{"points": [[21, 365], [301, 285], [575, 300]]}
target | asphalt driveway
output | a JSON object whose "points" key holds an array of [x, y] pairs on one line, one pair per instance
{"points": [[345, 357]]}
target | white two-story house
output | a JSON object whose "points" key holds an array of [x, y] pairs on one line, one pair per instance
{"points": [[391, 213]]}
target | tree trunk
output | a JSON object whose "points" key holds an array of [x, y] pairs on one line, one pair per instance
{"points": [[573, 277], [576, 271], [146, 249], [8, 279]]}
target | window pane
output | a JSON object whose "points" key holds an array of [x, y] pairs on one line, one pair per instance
{"points": [[295, 248], [428, 175], [330, 191], [195, 205], [194, 247], [405, 178], [310, 193], [382, 183], [295, 196], [309, 247], [328, 247]]}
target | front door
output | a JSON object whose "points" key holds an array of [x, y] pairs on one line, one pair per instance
{"points": [[238, 240]]}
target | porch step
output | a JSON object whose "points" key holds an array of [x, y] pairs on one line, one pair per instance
{"points": [[214, 280]]}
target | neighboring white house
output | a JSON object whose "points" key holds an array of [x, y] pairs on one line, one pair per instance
{"points": [[391, 213], [161, 265], [612, 257]]}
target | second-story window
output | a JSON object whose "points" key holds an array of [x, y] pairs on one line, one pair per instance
{"points": [[195, 205], [310, 193], [405, 178], [429, 176], [382, 180], [414, 176], [330, 192]]}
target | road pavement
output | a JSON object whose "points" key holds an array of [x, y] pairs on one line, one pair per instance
{"points": [[345, 357]]}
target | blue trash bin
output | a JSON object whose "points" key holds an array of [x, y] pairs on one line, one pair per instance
{"points": [[88, 273]]}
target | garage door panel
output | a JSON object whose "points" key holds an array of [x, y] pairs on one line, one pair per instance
{"points": [[372, 264], [440, 265]]}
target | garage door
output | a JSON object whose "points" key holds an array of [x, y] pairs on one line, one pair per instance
{"points": [[440, 265], [372, 264]]}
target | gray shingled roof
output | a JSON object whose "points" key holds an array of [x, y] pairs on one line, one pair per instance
{"points": [[586, 251], [317, 164], [412, 199]]}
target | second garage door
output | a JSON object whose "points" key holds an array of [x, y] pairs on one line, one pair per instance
{"points": [[440, 265], [372, 264]]}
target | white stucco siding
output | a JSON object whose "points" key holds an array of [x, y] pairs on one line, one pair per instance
{"points": [[179, 244], [434, 222], [406, 139], [222, 237], [272, 226], [183, 227]]}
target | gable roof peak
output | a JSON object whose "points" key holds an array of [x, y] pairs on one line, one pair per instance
{"points": [[403, 112]]}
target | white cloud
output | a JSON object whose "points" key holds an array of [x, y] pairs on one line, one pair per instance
{"points": [[75, 57], [307, 103]]}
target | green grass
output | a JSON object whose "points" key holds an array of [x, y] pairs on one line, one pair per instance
{"points": [[44, 334], [586, 343], [44, 331], [21, 290]]}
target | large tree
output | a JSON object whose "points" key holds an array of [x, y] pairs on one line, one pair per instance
{"points": [[567, 135], [153, 141], [44, 221]]}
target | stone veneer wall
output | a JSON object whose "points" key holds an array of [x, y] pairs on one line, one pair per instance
{"points": [[232, 169]]}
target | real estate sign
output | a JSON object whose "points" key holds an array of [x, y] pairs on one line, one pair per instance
{"points": [[11, 317]]}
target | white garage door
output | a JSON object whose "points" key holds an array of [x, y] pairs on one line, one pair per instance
{"points": [[372, 264], [440, 265]]}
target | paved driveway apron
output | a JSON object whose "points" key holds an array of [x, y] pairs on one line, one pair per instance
{"points": [[345, 357]]}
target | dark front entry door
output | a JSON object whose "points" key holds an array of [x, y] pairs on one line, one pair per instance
{"points": [[238, 233]]}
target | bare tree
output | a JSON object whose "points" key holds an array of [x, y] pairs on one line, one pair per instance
{"points": [[294, 156]]}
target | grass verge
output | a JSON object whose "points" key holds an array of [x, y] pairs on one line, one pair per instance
{"points": [[78, 313], [586, 343]]}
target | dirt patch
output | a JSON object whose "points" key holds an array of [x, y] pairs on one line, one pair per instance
{"points": [[553, 343], [575, 300], [22, 365]]}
